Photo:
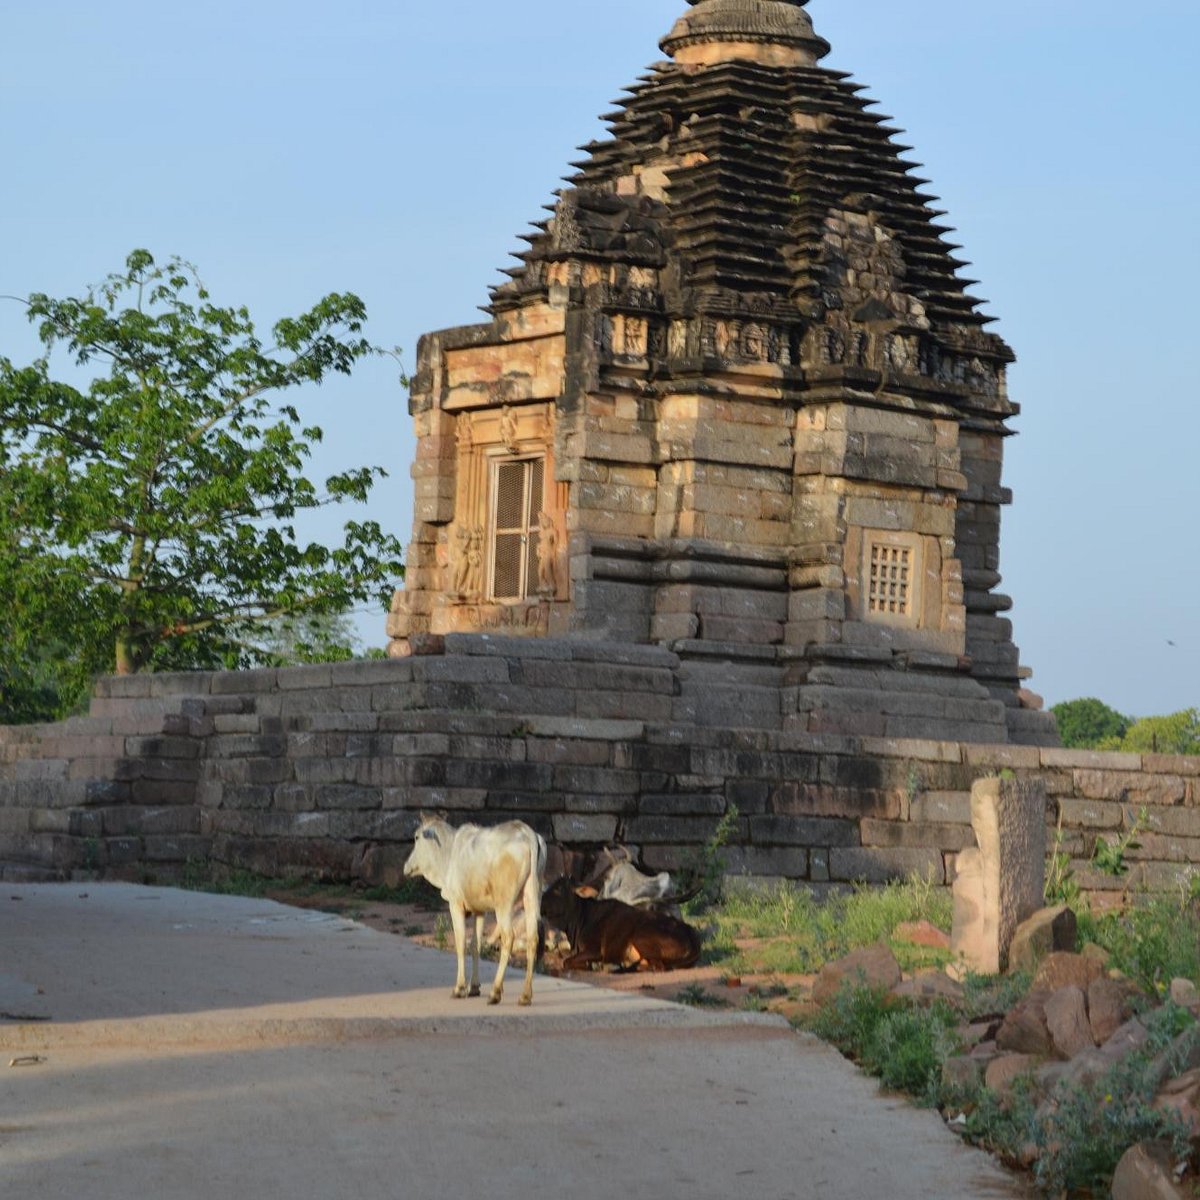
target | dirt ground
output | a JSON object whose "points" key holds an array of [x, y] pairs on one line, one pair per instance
{"points": [[707, 985]]}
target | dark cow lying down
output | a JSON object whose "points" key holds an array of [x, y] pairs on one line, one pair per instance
{"points": [[609, 931]]}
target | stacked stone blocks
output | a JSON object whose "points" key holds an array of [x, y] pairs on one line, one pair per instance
{"points": [[320, 771]]}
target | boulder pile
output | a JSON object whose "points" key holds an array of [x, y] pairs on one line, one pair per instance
{"points": [[1078, 1021]]}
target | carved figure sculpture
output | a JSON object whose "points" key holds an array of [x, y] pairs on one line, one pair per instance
{"points": [[547, 551], [462, 563], [508, 429], [475, 562]]}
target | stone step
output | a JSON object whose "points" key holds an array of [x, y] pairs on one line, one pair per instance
{"points": [[14, 872]]}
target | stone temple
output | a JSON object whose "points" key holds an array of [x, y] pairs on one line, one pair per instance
{"points": [[735, 400]]}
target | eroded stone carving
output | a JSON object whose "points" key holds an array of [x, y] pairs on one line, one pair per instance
{"points": [[1001, 882], [547, 552]]}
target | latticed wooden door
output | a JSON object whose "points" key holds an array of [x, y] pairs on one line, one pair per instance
{"points": [[516, 504]]}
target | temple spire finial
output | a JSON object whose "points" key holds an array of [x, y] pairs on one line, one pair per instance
{"points": [[770, 32]]}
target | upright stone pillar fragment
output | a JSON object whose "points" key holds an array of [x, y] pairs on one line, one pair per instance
{"points": [[1001, 882]]}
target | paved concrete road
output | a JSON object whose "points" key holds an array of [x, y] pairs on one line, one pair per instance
{"points": [[213, 1047]]}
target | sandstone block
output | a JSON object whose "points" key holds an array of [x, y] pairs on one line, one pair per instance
{"points": [[1110, 1005], [1067, 1021], [1048, 930], [875, 865], [1003, 1072], [922, 933], [1145, 1173], [1181, 1097], [1001, 883], [1063, 969], [579, 827], [871, 967], [1024, 1030], [929, 987]]}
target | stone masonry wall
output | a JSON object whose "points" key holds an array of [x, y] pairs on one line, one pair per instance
{"points": [[320, 771]]}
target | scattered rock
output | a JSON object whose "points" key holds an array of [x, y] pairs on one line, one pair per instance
{"points": [[974, 1033], [1110, 1005], [1084, 1069], [1062, 969], [922, 933], [929, 986], [1047, 931], [1024, 1030], [1003, 1072], [1182, 1097], [792, 1011], [1067, 1022], [873, 966], [1185, 993], [1145, 1173], [963, 1073]]}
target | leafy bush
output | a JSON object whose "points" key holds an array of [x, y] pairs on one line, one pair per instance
{"points": [[904, 1047], [1153, 942]]}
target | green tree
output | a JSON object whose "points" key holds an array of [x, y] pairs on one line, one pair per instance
{"points": [[147, 522], [1088, 722], [309, 638], [1176, 733]]}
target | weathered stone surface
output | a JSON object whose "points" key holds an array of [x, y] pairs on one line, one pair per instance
{"points": [[1181, 1097], [922, 933], [928, 987], [1003, 1072], [872, 966], [1001, 883], [1047, 930], [1062, 969], [1185, 993], [1146, 1172], [1067, 1021], [1110, 1005], [1023, 1030]]}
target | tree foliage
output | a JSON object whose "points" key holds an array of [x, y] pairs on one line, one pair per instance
{"points": [[1091, 724], [1175, 733], [1088, 722], [147, 521]]}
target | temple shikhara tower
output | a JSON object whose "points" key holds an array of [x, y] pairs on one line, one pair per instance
{"points": [[736, 401]]}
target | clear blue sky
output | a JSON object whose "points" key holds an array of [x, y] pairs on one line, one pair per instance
{"points": [[398, 149]]}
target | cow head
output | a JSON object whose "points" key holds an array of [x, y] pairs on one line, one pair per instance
{"points": [[560, 902], [429, 846]]}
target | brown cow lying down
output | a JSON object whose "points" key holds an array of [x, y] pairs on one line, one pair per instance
{"points": [[608, 931]]}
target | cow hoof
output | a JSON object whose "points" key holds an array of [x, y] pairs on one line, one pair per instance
{"points": [[493, 999], [525, 1001], [458, 994], [474, 991]]}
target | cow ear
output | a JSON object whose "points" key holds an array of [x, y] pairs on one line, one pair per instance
{"points": [[431, 833]]}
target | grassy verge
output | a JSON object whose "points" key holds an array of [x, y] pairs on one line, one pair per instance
{"points": [[786, 930]]}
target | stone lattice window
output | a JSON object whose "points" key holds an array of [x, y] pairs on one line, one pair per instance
{"points": [[890, 583], [516, 503]]}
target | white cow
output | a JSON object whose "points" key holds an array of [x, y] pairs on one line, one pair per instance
{"points": [[479, 871]]}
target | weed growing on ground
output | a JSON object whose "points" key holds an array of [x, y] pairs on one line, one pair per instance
{"points": [[441, 931], [991, 995], [705, 867], [1152, 942], [1082, 1134], [904, 1047], [796, 933], [695, 995]]}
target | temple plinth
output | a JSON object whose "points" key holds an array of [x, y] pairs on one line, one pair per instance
{"points": [[735, 399]]}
